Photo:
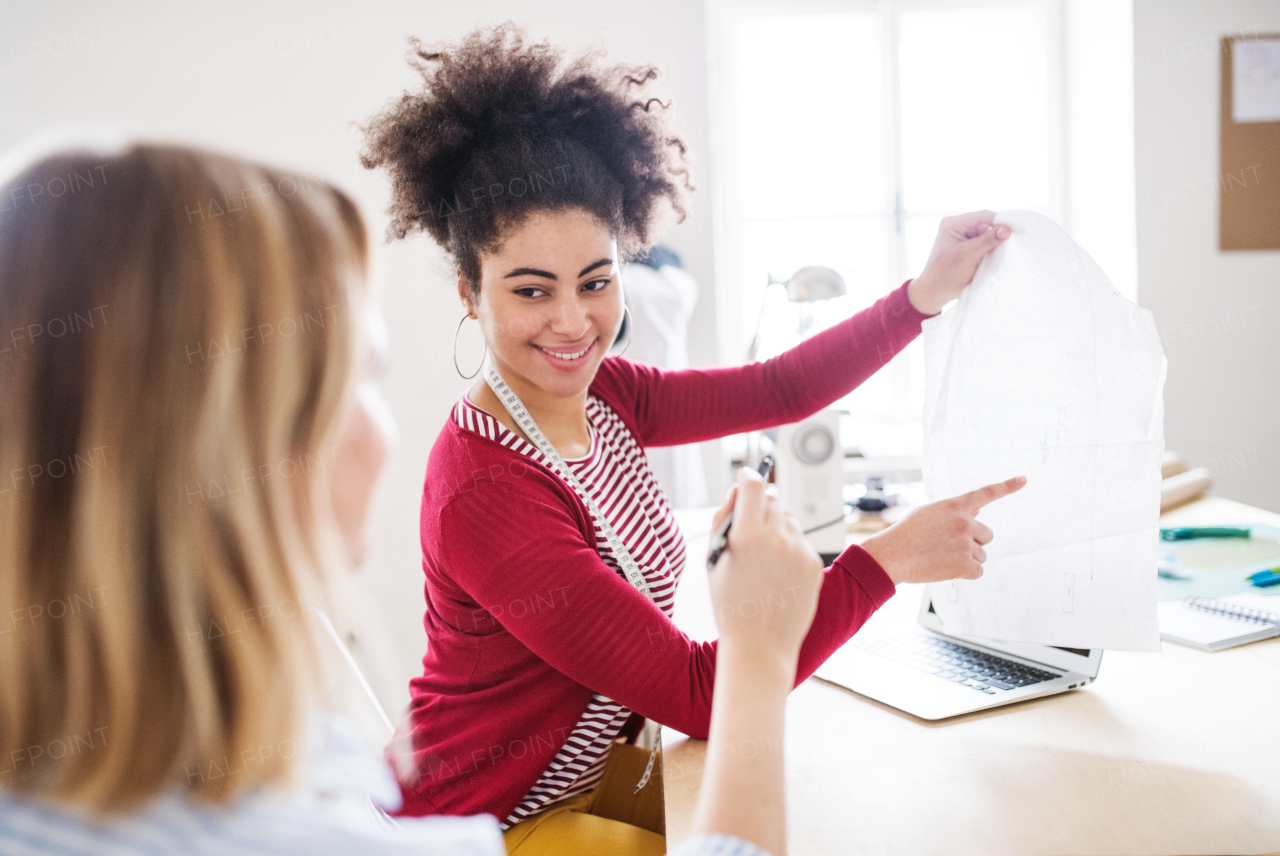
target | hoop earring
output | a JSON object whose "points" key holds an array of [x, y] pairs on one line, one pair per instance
{"points": [[455, 351], [626, 316]]}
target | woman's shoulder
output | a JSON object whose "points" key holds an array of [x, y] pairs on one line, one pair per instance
{"points": [[620, 378], [463, 462], [477, 471], [624, 385], [471, 441], [258, 825], [332, 812]]}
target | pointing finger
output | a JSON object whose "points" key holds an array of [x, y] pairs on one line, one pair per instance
{"points": [[975, 499]]}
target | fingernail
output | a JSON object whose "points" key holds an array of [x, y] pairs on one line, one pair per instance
{"points": [[1002, 232], [1021, 479]]}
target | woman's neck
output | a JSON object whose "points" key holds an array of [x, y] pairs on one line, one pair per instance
{"points": [[562, 420]]}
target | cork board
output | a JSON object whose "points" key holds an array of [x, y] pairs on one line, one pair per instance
{"points": [[1249, 186]]}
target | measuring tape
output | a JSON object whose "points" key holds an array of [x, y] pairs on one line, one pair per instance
{"points": [[520, 414]]}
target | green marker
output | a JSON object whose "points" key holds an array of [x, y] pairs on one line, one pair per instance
{"points": [[1186, 533]]}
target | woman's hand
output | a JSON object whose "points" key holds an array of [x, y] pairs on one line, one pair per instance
{"points": [[765, 586], [765, 593], [962, 242], [939, 541]]}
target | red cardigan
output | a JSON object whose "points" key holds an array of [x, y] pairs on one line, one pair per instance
{"points": [[525, 621]]}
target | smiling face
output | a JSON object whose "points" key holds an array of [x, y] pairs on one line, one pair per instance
{"points": [[550, 303]]}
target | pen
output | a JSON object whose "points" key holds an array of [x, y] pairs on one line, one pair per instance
{"points": [[1188, 532], [720, 540], [1269, 577]]}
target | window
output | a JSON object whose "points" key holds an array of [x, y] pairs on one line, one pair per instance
{"points": [[845, 132]]}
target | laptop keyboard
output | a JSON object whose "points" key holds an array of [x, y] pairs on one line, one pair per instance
{"points": [[965, 666]]}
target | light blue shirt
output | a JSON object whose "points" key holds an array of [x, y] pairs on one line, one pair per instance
{"points": [[335, 812]]}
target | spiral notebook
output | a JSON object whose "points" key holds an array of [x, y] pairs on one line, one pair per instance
{"points": [[1212, 624]]}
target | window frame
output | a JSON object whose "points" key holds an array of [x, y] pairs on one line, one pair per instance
{"points": [[727, 220]]}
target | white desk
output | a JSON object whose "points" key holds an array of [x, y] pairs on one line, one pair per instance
{"points": [[1177, 753]]}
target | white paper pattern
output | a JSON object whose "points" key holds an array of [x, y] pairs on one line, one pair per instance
{"points": [[1255, 80], [1043, 369]]}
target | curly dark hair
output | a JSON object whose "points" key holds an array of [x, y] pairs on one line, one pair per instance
{"points": [[503, 129]]}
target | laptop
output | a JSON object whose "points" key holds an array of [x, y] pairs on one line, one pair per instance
{"points": [[936, 675]]}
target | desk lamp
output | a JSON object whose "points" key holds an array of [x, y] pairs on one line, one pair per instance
{"points": [[806, 285]]}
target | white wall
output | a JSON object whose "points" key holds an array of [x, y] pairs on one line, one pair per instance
{"points": [[218, 75], [1218, 312], [285, 82]]}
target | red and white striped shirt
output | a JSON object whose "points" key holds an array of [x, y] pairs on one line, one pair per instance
{"points": [[528, 626], [617, 476]]}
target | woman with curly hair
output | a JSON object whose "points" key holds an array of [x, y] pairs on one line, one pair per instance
{"points": [[551, 554]]}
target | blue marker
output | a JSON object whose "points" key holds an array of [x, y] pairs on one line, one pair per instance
{"points": [[1269, 577]]}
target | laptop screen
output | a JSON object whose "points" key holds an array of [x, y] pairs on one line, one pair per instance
{"points": [[1075, 659]]}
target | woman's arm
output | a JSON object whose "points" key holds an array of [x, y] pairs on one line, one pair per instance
{"points": [[702, 404], [518, 547], [743, 792], [508, 544], [692, 405]]}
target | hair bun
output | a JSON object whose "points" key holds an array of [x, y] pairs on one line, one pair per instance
{"points": [[502, 128]]}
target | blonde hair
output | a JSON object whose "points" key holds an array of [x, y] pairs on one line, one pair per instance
{"points": [[179, 325]]}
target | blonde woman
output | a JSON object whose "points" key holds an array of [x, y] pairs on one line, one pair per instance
{"points": [[189, 438]]}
